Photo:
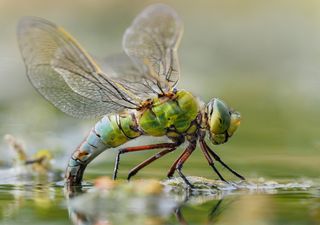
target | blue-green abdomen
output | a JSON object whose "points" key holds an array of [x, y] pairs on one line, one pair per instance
{"points": [[111, 131]]}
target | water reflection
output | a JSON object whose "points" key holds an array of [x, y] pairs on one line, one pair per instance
{"points": [[40, 197], [138, 202], [151, 202], [131, 203]]}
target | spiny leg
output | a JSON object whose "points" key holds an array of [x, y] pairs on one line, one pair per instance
{"points": [[145, 163], [139, 148], [210, 161], [174, 165], [217, 158], [191, 147]]}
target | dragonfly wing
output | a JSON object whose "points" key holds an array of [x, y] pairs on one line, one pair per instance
{"points": [[152, 41], [123, 70], [65, 74]]}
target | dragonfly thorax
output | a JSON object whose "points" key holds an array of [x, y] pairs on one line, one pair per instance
{"points": [[220, 121], [170, 115]]}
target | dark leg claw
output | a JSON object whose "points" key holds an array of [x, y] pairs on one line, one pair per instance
{"points": [[217, 158], [206, 151], [218, 173], [189, 185], [182, 159]]}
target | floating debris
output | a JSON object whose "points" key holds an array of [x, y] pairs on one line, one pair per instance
{"points": [[24, 169], [213, 187], [40, 162], [18, 147]]}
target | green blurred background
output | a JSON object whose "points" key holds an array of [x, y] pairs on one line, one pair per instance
{"points": [[261, 57]]}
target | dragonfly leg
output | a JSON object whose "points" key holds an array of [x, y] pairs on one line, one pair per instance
{"points": [[139, 148], [184, 157], [217, 158], [145, 163], [180, 217], [174, 165], [209, 159], [215, 211]]}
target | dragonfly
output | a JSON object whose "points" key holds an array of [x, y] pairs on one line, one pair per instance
{"points": [[134, 93]]}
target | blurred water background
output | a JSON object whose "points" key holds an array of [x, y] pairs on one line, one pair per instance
{"points": [[261, 57]]}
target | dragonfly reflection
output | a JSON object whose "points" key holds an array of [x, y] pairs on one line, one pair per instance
{"points": [[126, 204]]}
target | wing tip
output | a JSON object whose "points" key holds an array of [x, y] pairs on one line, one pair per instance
{"points": [[156, 9], [159, 6], [28, 22], [153, 10]]}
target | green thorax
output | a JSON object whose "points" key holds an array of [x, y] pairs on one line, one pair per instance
{"points": [[174, 113]]}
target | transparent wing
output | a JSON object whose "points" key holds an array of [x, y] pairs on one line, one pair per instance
{"points": [[65, 74], [123, 70], [152, 41]]}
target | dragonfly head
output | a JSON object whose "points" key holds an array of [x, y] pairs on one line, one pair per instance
{"points": [[222, 121]]}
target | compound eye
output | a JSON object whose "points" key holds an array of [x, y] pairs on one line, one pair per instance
{"points": [[218, 139], [234, 123], [219, 117]]}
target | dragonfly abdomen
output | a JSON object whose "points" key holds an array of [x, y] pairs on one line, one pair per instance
{"points": [[116, 129], [111, 131]]}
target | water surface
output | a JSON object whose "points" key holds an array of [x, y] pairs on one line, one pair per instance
{"points": [[259, 201]]}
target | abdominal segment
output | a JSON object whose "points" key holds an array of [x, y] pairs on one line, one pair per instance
{"points": [[111, 131]]}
